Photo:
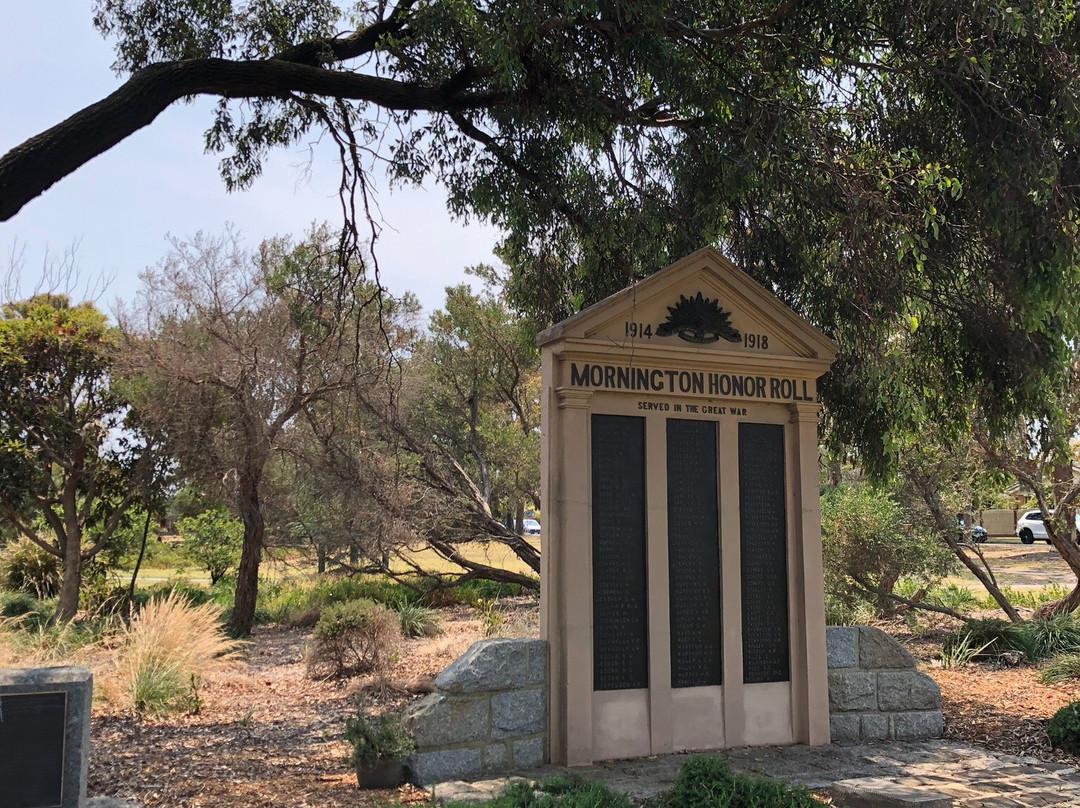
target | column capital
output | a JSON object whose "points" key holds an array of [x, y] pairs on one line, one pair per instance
{"points": [[804, 411], [569, 398]]}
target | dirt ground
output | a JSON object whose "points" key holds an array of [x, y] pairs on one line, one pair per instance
{"points": [[265, 735], [268, 736], [1023, 566]]}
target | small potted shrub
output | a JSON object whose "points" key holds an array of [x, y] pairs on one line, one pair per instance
{"points": [[380, 746]]}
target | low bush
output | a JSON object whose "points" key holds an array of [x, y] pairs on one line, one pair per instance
{"points": [[709, 782], [18, 604], [418, 621], [1064, 729], [38, 641], [355, 637], [26, 567], [169, 644], [380, 738], [194, 594], [300, 602], [565, 791], [437, 594], [990, 637], [1055, 635], [702, 782], [1061, 668], [1028, 598], [953, 596]]}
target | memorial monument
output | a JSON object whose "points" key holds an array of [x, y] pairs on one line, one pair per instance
{"points": [[681, 581]]}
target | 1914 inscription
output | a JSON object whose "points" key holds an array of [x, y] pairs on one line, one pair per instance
{"points": [[32, 727], [620, 605], [693, 553], [763, 546]]}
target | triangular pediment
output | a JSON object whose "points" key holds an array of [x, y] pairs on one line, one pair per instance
{"points": [[702, 302]]}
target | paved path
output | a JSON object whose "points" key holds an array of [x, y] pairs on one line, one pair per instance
{"points": [[973, 776]]}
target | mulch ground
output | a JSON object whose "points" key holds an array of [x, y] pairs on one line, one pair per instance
{"points": [[1001, 708], [266, 735]]}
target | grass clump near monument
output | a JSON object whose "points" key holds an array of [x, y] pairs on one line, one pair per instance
{"points": [[167, 646], [418, 621], [1063, 728], [1036, 639], [709, 782]]}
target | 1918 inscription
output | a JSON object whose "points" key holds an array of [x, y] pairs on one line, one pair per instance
{"points": [[693, 553], [620, 605], [763, 546], [32, 727]]}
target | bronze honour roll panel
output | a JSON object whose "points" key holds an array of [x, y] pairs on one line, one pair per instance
{"points": [[32, 729], [620, 603], [763, 546], [693, 553]]}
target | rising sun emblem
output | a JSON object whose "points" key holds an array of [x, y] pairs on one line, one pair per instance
{"points": [[698, 319]]}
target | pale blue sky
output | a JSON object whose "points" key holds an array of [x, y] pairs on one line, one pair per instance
{"points": [[120, 206]]}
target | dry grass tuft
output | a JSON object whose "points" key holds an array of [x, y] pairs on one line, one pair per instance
{"points": [[166, 648]]}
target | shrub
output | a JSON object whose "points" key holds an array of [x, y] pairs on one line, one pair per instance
{"points": [[195, 594], [167, 646], [709, 782], [953, 596], [26, 567], [1064, 729], [212, 540], [379, 738], [468, 593], [1054, 635], [354, 637], [990, 637], [18, 604], [866, 538], [1061, 668], [418, 621]]}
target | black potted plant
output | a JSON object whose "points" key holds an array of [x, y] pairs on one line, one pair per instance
{"points": [[380, 746]]}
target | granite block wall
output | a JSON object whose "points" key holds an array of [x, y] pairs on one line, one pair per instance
{"points": [[875, 691], [488, 714]]}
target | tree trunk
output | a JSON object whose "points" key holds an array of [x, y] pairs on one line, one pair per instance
{"points": [[247, 576], [71, 544], [1066, 605], [68, 604], [138, 561]]}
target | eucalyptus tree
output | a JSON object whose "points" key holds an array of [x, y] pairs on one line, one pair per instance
{"points": [[73, 457], [876, 164], [234, 348]]}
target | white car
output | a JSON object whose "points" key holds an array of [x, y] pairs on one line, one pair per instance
{"points": [[1030, 527], [530, 527]]}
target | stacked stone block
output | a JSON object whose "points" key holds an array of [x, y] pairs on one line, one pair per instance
{"points": [[488, 714], [875, 691]]}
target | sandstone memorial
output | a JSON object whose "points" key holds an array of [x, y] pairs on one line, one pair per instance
{"points": [[681, 588]]}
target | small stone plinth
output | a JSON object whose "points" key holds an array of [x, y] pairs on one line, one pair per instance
{"points": [[877, 792], [49, 709], [875, 691], [488, 714]]}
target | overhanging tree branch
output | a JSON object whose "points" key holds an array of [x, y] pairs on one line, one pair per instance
{"points": [[31, 168]]}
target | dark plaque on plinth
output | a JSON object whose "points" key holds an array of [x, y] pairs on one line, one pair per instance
{"points": [[620, 603], [693, 553], [32, 729], [763, 547]]}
